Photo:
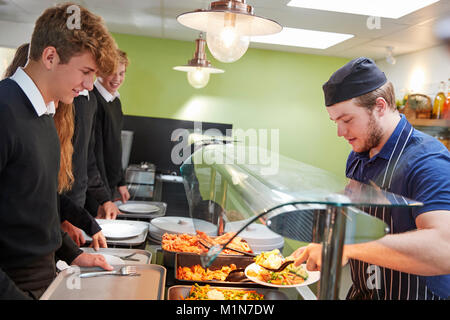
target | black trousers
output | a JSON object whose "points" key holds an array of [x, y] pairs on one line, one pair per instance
{"points": [[34, 277]]}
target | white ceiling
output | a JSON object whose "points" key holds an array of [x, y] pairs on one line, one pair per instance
{"points": [[157, 18]]}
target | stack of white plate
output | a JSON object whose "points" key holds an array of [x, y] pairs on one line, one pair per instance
{"points": [[137, 207], [179, 225], [258, 236]]}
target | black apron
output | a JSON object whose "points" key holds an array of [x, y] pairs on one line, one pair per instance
{"points": [[372, 282]]}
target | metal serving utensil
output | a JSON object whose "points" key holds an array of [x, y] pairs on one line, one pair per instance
{"points": [[207, 246], [237, 275], [281, 268], [124, 271]]}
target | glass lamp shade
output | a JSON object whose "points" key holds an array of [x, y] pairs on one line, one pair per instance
{"points": [[227, 45], [228, 25], [198, 78]]}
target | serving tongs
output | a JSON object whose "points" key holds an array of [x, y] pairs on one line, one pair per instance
{"points": [[237, 275], [208, 246], [281, 267]]}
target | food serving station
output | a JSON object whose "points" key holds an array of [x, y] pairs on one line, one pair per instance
{"points": [[243, 201]]}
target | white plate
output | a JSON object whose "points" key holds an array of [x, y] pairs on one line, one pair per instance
{"points": [[112, 259], [313, 276], [138, 208], [120, 230]]}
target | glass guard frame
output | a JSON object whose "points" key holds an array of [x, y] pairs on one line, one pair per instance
{"points": [[231, 182]]}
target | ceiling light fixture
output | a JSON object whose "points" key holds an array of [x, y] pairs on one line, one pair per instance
{"points": [[304, 38], [380, 8], [198, 68], [228, 25], [390, 56]]}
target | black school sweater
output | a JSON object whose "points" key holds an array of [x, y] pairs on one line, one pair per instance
{"points": [[84, 164], [108, 141], [29, 164], [84, 167]]}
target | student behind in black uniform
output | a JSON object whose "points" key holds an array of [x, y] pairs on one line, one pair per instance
{"points": [[70, 177], [413, 261], [109, 124], [84, 160], [63, 62]]}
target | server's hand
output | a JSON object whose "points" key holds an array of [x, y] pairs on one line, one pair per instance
{"points": [[91, 260], [124, 194], [98, 241], [312, 255], [73, 232]]}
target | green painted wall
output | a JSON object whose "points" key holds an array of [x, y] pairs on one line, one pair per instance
{"points": [[264, 89]]}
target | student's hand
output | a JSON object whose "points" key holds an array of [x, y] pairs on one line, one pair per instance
{"points": [[98, 241], [124, 194], [108, 211], [73, 232], [91, 260]]}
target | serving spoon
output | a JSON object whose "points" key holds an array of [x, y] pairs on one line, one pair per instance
{"points": [[280, 268]]}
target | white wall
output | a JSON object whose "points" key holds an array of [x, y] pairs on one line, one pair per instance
{"points": [[420, 72], [14, 33]]}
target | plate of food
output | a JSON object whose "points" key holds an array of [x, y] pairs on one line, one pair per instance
{"points": [[291, 276]]}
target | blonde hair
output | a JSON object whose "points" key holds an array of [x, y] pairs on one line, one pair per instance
{"points": [[52, 29], [123, 58], [64, 122]]}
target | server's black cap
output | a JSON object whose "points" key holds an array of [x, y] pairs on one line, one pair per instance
{"points": [[358, 77]]}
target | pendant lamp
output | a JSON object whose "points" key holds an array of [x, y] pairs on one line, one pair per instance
{"points": [[229, 24]]}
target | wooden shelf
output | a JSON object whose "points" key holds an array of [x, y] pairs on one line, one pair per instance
{"points": [[430, 122]]}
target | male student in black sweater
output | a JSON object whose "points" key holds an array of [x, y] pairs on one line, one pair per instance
{"points": [[63, 60], [108, 128]]}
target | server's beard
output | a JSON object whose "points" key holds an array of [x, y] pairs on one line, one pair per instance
{"points": [[375, 133]]}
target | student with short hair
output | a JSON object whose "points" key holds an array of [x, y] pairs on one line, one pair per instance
{"points": [[108, 131], [63, 62]]}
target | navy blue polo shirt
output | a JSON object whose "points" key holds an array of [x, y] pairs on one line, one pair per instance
{"points": [[417, 166]]}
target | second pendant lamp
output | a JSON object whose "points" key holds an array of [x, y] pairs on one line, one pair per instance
{"points": [[198, 68]]}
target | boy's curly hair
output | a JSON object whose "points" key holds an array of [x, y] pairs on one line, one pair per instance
{"points": [[53, 28]]}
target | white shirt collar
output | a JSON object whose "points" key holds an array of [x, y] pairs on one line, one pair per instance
{"points": [[105, 93], [85, 93], [32, 92]]}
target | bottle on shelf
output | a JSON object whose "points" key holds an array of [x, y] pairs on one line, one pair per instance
{"points": [[439, 102], [446, 112]]}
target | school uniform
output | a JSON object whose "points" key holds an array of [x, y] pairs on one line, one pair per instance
{"points": [[108, 138], [30, 232]]}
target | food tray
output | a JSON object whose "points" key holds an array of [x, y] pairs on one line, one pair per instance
{"points": [[138, 241], [147, 217], [174, 292], [192, 259], [144, 256], [150, 285]]}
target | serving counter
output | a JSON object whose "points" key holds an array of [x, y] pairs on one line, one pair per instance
{"points": [[225, 190]]}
